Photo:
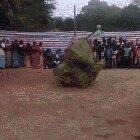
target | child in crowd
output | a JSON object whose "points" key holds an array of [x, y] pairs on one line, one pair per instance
{"points": [[138, 56]]}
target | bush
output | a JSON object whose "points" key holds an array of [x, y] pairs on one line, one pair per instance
{"points": [[78, 68]]}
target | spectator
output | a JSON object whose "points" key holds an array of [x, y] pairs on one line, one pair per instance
{"points": [[99, 51], [8, 53], [49, 59], [21, 53], [114, 58], [132, 55], [41, 54], [126, 47], [59, 56], [2, 55], [15, 55], [138, 56], [108, 56], [27, 60], [35, 56]]}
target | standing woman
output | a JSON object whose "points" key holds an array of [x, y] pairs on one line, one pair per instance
{"points": [[35, 56], [8, 52], [21, 53], [27, 58], [138, 56], [15, 57], [41, 55], [2, 55]]}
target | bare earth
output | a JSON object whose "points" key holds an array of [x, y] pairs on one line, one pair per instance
{"points": [[32, 107]]}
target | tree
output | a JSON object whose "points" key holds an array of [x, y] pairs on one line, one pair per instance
{"points": [[58, 23], [68, 24], [110, 17], [7, 10], [98, 12], [130, 18], [29, 15]]}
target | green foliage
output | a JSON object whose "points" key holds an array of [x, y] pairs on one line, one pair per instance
{"points": [[58, 23], [112, 18], [78, 69], [130, 17], [66, 24], [29, 15], [36, 15]]}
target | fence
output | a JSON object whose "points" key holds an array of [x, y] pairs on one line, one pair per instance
{"points": [[55, 40]]}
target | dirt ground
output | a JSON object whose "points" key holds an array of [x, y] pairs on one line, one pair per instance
{"points": [[33, 107]]}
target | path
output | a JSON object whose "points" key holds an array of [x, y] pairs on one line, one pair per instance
{"points": [[32, 107]]}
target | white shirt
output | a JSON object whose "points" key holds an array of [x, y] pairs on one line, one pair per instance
{"points": [[2, 52], [1, 49], [3, 45], [21, 46]]}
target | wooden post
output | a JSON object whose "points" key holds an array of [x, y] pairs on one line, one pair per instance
{"points": [[74, 21]]}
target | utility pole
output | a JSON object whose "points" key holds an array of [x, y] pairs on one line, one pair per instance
{"points": [[74, 21]]}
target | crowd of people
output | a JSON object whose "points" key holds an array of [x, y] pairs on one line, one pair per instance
{"points": [[18, 54], [118, 53]]}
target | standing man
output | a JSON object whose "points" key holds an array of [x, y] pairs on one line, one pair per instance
{"points": [[108, 56]]}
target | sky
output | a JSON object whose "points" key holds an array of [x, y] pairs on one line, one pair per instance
{"points": [[64, 8]]}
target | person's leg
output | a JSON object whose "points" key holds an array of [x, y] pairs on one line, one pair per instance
{"points": [[115, 63], [138, 63], [134, 65], [130, 63], [118, 62], [121, 62], [15, 60], [100, 56], [8, 58], [106, 60], [2, 62], [110, 62], [97, 56], [20, 59]]}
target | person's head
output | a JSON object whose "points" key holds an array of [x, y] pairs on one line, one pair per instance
{"points": [[138, 46], [131, 43], [109, 40], [48, 50], [132, 47], [124, 41], [21, 42], [58, 51], [103, 39], [3, 40], [7, 41], [16, 40], [28, 44], [34, 43], [96, 40], [40, 44]]}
